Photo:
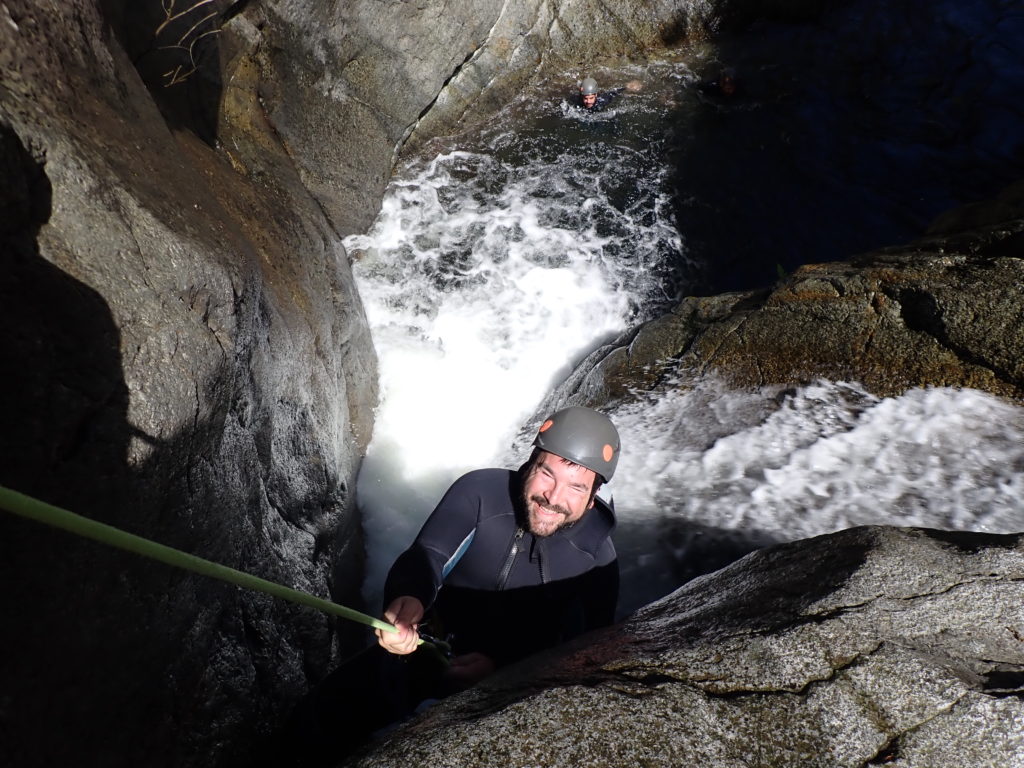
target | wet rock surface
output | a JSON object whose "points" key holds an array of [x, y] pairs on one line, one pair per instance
{"points": [[187, 358], [946, 310], [870, 646]]}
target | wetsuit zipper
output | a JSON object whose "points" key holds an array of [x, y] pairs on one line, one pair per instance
{"points": [[513, 550], [540, 561]]}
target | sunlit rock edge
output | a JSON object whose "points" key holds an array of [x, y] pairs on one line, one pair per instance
{"points": [[945, 311]]}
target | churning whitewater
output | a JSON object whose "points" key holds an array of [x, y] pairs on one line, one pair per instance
{"points": [[498, 261]]}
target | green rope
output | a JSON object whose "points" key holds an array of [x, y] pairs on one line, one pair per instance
{"points": [[26, 506]]}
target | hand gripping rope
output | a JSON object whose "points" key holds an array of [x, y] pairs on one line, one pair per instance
{"points": [[33, 509]]}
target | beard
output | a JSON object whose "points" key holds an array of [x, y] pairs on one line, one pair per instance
{"points": [[544, 526]]}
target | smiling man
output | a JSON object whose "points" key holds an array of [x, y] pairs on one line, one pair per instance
{"points": [[511, 562], [557, 493], [592, 99]]}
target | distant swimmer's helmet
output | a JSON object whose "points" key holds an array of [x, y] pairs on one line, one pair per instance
{"points": [[588, 87], [582, 436]]}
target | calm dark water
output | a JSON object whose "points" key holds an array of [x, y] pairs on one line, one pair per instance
{"points": [[848, 134]]}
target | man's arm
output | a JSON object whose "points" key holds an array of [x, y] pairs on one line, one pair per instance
{"points": [[417, 574]]}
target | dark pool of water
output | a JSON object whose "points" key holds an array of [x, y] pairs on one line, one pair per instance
{"points": [[847, 134]]}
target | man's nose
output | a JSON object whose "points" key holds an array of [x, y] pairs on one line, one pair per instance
{"points": [[555, 494]]}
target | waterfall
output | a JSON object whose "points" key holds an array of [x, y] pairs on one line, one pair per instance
{"points": [[501, 257]]}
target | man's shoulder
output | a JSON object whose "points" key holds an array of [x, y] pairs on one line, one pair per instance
{"points": [[486, 476], [598, 524], [491, 484]]}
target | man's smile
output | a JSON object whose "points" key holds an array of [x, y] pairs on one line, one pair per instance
{"points": [[552, 510]]}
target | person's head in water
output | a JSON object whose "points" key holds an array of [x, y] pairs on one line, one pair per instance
{"points": [[575, 452], [727, 81], [588, 92]]}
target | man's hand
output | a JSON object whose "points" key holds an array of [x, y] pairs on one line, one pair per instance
{"points": [[467, 669], [405, 613]]}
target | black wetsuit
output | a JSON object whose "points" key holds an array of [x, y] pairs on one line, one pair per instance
{"points": [[713, 92], [602, 102], [496, 588], [499, 589]]}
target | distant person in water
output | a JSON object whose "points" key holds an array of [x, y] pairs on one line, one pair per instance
{"points": [[724, 88], [509, 563], [592, 99]]}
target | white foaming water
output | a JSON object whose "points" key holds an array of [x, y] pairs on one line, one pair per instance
{"points": [[490, 272], [823, 458], [485, 277], [782, 465]]}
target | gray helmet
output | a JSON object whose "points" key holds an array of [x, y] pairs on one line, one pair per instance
{"points": [[588, 86], [582, 436]]}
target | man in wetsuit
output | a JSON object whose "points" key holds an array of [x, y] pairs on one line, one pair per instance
{"points": [[508, 563], [592, 99], [514, 562], [725, 88]]}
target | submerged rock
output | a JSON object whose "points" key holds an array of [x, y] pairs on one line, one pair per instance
{"points": [[869, 646]]}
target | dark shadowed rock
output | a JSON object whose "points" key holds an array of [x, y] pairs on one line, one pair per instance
{"points": [[186, 357], [868, 646]]}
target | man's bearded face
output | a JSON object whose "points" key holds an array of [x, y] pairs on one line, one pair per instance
{"points": [[556, 493]]}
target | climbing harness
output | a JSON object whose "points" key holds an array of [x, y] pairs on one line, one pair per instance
{"points": [[33, 509]]}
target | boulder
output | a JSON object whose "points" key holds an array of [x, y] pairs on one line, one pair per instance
{"points": [[186, 353], [186, 357], [946, 310], [870, 646]]}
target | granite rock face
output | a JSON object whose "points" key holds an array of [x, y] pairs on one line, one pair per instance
{"points": [[946, 310], [349, 84], [871, 646], [189, 356], [343, 86], [186, 357]]}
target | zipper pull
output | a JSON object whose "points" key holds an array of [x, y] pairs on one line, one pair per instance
{"points": [[513, 550]]}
